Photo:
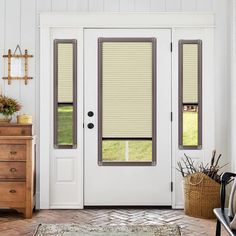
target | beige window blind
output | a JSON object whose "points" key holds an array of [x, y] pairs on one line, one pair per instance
{"points": [[65, 93], [127, 78], [190, 73], [190, 94], [65, 73]]}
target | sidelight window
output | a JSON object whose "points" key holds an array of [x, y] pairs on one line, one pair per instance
{"points": [[65, 98], [190, 94]]}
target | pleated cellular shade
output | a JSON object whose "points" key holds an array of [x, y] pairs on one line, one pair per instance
{"points": [[127, 89], [190, 73], [65, 72]]}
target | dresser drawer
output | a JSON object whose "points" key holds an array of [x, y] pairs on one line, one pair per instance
{"points": [[12, 170], [12, 152], [15, 130], [12, 192]]}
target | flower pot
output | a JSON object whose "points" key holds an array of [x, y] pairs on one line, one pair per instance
{"points": [[5, 118]]}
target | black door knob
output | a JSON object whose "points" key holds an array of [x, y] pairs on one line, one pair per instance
{"points": [[90, 125], [90, 114]]}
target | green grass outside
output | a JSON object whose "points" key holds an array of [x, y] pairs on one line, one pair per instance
{"points": [[137, 150], [115, 150], [190, 128], [65, 124], [140, 150]]}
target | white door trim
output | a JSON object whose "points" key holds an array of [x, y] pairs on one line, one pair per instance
{"points": [[95, 20], [44, 137], [126, 20]]}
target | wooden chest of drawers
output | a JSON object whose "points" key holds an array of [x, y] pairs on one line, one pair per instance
{"points": [[17, 168]]}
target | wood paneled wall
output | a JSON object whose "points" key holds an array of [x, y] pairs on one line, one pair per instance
{"points": [[19, 20]]}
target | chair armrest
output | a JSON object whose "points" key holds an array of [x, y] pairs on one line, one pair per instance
{"points": [[224, 179]]}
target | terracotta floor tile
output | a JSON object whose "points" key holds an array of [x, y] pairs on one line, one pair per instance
{"points": [[12, 223]]}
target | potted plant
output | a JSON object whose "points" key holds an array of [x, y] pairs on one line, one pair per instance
{"points": [[8, 106], [201, 186]]}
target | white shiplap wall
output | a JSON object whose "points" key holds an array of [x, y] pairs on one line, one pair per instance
{"points": [[232, 52], [19, 20]]}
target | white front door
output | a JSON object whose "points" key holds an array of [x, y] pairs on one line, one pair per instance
{"points": [[127, 117]]}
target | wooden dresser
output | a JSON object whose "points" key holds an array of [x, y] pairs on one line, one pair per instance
{"points": [[17, 168]]}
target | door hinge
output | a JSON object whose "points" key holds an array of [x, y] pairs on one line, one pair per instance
{"points": [[171, 46], [171, 186], [83, 125], [171, 116]]}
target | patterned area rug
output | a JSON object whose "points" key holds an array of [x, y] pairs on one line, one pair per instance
{"points": [[116, 230]]}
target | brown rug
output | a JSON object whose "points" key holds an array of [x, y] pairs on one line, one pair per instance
{"points": [[116, 230]]}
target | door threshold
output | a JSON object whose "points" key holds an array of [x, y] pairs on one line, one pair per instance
{"points": [[128, 207]]}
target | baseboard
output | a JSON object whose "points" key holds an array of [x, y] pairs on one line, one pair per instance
{"points": [[178, 207], [37, 199]]}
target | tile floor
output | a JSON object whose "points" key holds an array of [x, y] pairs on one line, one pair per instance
{"points": [[12, 223]]}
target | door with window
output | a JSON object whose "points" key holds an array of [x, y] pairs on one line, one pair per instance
{"points": [[127, 117], [66, 123]]}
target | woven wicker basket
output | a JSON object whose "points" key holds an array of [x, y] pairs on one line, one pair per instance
{"points": [[201, 195]]}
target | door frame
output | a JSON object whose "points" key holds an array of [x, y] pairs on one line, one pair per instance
{"points": [[81, 21]]}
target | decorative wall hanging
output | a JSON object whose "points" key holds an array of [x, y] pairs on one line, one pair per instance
{"points": [[17, 65]]}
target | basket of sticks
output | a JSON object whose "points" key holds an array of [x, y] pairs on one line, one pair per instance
{"points": [[201, 186], [201, 195]]}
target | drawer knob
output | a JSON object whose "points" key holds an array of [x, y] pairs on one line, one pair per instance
{"points": [[12, 191], [13, 169], [13, 152]]}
